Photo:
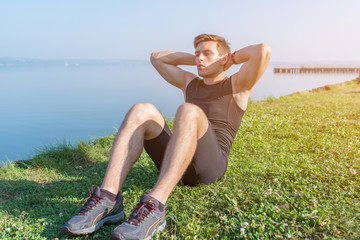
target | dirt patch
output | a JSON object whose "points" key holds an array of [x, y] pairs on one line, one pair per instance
{"points": [[357, 90]]}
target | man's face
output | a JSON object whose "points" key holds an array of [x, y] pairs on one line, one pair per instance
{"points": [[209, 62]]}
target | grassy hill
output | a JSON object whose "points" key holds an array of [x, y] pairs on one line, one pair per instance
{"points": [[293, 174]]}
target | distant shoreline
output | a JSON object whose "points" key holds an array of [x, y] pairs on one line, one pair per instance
{"points": [[19, 61], [27, 62]]}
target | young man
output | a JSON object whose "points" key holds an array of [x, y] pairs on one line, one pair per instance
{"points": [[197, 150]]}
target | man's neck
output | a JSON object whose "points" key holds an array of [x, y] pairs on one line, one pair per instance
{"points": [[213, 80]]}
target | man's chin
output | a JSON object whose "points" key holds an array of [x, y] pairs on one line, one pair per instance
{"points": [[202, 74]]}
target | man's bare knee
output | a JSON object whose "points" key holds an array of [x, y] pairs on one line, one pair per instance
{"points": [[192, 116], [190, 112], [142, 112], [147, 116]]}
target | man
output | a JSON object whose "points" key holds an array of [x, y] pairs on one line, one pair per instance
{"points": [[197, 150]]}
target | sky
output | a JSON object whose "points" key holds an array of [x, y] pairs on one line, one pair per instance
{"points": [[296, 31]]}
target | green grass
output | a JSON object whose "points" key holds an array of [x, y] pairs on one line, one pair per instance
{"points": [[293, 174]]}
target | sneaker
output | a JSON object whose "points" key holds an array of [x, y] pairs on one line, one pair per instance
{"points": [[143, 222], [96, 212]]}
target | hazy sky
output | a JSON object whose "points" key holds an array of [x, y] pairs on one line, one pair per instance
{"points": [[323, 30]]}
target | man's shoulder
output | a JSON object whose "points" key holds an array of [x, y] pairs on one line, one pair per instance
{"points": [[192, 81]]}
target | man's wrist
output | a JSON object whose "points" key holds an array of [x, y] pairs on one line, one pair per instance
{"points": [[233, 58]]}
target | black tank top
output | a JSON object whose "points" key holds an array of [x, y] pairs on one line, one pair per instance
{"points": [[218, 103]]}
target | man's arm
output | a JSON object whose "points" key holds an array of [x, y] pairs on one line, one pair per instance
{"points": [[255, 59], [166, 63]]}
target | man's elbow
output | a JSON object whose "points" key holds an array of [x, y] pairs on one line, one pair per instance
{"points": [[154, 57], [264, 50]]}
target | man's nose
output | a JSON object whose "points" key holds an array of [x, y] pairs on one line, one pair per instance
{"points": [[201, 57]]}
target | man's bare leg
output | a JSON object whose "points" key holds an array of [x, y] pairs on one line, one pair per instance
{"points": [[190, 125], [143, 121]]}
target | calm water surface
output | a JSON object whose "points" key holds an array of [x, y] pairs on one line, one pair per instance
{"points": [[43, 106]]}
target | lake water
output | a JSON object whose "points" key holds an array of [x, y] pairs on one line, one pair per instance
{"points": [[42, 105]]}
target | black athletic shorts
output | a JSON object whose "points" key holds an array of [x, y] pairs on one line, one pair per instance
{"points": [[208, 164]]}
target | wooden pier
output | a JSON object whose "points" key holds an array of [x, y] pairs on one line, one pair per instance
{"points": [[305, 69]]}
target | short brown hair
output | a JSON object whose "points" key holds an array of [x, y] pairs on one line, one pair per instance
{"points": [[222, 44]]}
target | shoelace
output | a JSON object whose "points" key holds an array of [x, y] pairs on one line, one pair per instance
{"points": [[91, 201], [141, 211]]}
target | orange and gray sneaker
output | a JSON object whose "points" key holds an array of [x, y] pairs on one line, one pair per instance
{"points": [[100, 207], [147, 218]]}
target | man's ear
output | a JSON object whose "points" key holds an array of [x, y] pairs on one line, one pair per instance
{"points": [[228, 62], [225, 58]]}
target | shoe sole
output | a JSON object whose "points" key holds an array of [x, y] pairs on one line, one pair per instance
{"points": [[107, 220], [160, 228]]}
